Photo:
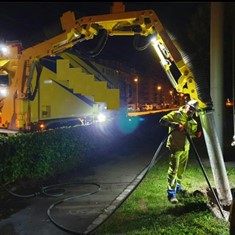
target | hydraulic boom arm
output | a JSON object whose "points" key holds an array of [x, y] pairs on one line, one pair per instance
{"points": [[144, 23]]}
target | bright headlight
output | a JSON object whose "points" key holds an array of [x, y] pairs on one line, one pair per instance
{"points": [[4, 49], [101, 118], [3, 91]]}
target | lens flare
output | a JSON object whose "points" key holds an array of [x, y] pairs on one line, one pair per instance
{"points": [[127, 124]]}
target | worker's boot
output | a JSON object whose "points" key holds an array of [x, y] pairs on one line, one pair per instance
{"points": [[178, 188], [171, 195], [180, 191]]}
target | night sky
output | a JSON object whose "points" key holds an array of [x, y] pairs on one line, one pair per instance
{"points": [[19, 19]]}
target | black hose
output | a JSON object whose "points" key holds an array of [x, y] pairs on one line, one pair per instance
{"points": [[136, 43], [37, 65], [100, 46], [204, 173], [19, 195], [67, 199], [50, 191], [155, 159], [45, 190], [152, 162]]}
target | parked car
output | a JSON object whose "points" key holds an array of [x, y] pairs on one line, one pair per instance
{"points": [[146, 107]]}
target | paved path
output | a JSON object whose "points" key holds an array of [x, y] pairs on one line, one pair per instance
{"points": [[73, 212]]}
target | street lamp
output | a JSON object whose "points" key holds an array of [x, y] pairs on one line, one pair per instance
{"points": [[137, 92], [159, 88], [172, 97]]}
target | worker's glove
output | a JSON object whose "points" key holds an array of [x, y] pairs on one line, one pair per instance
{"points": [[198, 134], [181, 128]]}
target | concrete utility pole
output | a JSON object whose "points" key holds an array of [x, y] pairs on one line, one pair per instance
{"points": [[217, 64], [216, 158], [207, 118]]}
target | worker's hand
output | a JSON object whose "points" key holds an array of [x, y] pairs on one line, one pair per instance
{"points": [[198, 134], [181, 128]]}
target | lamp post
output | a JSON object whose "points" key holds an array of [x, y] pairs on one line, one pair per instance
{"points": [[136, 80], [172, 97], [159, 88]]}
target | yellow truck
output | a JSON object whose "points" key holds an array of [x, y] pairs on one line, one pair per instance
{"points": [[45, 83]]}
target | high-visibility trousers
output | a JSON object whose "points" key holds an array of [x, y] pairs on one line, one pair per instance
{"points": [[177, 166]]}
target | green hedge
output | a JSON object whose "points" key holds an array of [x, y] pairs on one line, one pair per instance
{"points": [[41, 155], [44, 154]]}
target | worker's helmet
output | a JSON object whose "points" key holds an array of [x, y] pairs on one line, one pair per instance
{"points": [[193, 104]]}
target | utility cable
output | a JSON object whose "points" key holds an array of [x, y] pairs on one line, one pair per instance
{"points": [[204, 173]]}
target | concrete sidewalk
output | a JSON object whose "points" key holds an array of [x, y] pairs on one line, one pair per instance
{"points": [[87, 201]]}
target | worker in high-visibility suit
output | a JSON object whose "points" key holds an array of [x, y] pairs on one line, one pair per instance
{"points": [[181, 121]]}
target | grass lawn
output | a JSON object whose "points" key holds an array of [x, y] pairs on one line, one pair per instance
{"points": [[148, 212]]}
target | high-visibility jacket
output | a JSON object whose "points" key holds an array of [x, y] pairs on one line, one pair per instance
{"points": [[177, 141]]}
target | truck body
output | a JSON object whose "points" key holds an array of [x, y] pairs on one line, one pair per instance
{"points": [[50, 92]]}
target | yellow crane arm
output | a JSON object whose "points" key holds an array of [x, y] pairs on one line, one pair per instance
{"points": [[144, 23]]}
